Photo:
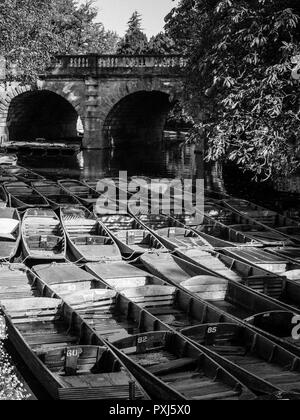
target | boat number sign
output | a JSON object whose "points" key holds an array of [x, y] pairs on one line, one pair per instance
{"points": [[141, 343], [211, 334], [71, 361]]}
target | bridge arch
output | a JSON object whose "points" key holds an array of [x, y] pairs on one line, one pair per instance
{"points": [[135, 109], [139, 115], [41, 113]]}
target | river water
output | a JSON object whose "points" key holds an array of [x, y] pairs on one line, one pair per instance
{"points": [[156, 161]]}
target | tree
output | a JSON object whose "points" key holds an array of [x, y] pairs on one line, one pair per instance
{"points": [[239, 79], [162, 44], [178, 119], [78, 33], [33, 31], [134, 41]]}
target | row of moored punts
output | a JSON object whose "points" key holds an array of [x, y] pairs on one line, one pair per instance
{"points": [[103, 303]]}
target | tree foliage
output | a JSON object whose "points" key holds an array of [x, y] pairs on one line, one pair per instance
{"points": [[32, 31], [162, 44], [135, 40], [239, 79]]}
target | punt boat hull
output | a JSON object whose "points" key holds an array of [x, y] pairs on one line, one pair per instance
{"points": [[88, 240], [82, 192], [169, 367], [237, 300], [10, 233], [245, 355], [71, 283], [253, 230], [55, 195], [171, 232], [22, 197], [22, 174], [132, 237], [43, 237]]}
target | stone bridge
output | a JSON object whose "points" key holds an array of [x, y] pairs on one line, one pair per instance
{"points": [[117, 98]]}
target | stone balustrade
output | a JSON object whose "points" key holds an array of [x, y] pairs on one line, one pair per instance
{"points": [[99, 64], [119, 61]]}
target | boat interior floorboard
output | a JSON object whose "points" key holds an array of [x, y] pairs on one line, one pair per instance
{"points": [[235, 310], [181, 375]]}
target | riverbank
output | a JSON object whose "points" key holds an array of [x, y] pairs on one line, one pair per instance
{"points": [[12, 384]]}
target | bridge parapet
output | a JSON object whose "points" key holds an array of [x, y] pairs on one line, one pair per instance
{"points": [[99, 65]]}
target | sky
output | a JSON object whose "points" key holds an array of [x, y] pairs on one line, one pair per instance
{"points": [[114, 14]]}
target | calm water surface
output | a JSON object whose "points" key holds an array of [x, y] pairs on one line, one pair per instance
{"points": [[154, 161]]}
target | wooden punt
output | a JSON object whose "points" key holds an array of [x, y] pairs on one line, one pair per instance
{"points": [[252, 229], [161, 295], [171, 368], [285, 288], [132, 237], [86, 195], [259, 283], [265, 217], [16, 282], [8, 159], [109, 313], [261, 214], [222, 265], [43, 237], [10, 233], [283, 292], [55, 194], [121, 275], [88, 240], [227, 296], [69, 281], [215, 231], [156, 198], [250, 358], [235, 299], [290, 253], [292, 256], [263, 258], [23, 196], [113, 184], [3, 197], [64, 354], [22, 174], [7, 178], [218, 234], [172, 232], [279, 323]]}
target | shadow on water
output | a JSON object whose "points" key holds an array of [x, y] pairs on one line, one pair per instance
{"points": [[153, 161], [161, 160]]}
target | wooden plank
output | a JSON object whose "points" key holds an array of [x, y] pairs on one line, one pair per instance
{"points": [[167, 368], [33, 304]]}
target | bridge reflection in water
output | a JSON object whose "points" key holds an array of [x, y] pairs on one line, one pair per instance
{"points": [[153, 161]]}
